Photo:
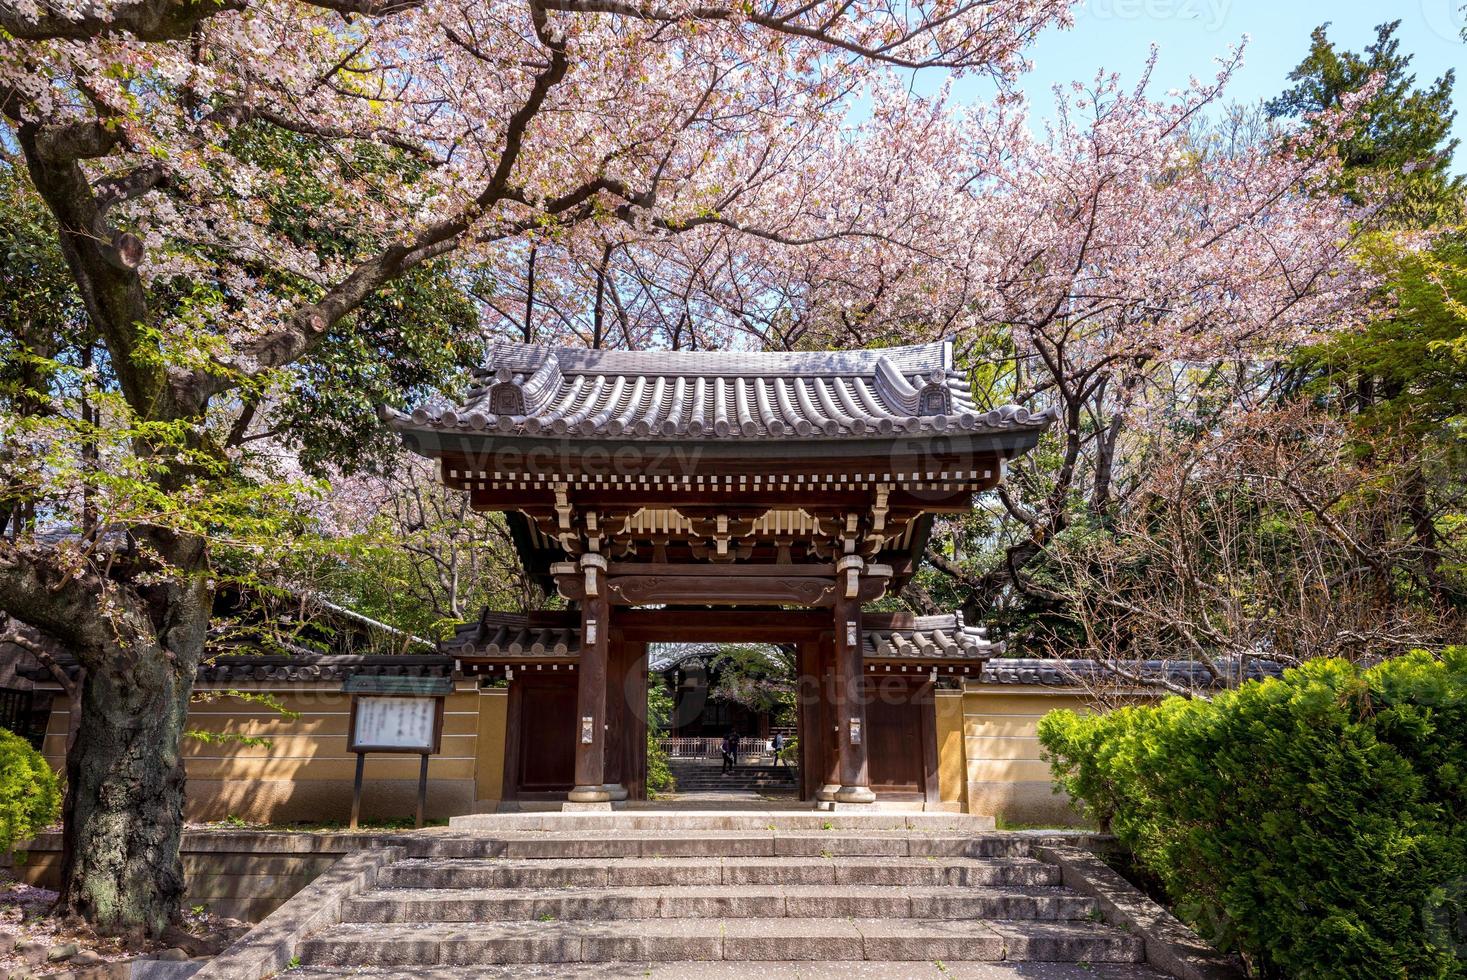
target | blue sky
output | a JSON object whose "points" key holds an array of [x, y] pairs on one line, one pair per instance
{"points": [[1117, 35]]}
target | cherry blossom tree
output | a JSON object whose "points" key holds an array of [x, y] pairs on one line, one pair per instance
{"points": [[403, 548], [169, 139], [1141, 265], [1139, 273]]}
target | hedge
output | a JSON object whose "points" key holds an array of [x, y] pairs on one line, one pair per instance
{"points": [[1316, 824], [30, 792]]}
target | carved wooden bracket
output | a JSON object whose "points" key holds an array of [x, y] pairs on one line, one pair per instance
{"points": [[568, 580]]}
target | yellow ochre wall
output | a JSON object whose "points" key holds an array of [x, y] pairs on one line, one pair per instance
{"points": [[1005, 775], [988, 756], [489, 771], [952, 780], [305, 773]]}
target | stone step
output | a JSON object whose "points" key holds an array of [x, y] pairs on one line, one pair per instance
{"points": [[803, 970], [748, 844], [744, 939], [736, 786], [680, 769], [710, 774], [749, 787], [620, 821], [731, 782], [784, 776], [716, 901], [634, 872], [448, 843]]}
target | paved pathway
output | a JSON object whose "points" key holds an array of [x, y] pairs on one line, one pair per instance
{"points": [[723, 799]]}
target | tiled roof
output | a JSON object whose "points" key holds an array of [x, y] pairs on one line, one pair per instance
{"points": [[1079, 672], [531, 390], [236, 668], [245, 667], [508, 637], [932, 638]]}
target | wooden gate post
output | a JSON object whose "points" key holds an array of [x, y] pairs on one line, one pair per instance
{"points": [[850, 694], [591, 718]]}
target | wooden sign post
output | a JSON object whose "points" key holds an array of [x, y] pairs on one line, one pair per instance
{"points": [[395, 714]]}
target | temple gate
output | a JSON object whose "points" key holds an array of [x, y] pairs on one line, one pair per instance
{"points": [[743, 497]]}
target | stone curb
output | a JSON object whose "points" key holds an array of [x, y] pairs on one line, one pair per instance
{"points": [[268, 948], [254, 841], [1170, 945], [716, 820]]}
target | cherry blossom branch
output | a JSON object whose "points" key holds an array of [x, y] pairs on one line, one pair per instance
{"points": [[304, 329], [147, 20], [155, 20], [823, 32], [238, 114]]}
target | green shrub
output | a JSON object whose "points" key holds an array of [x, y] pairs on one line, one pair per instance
{"points": [[1317, 824], [659, 710], [659, 772], [30, 792]]}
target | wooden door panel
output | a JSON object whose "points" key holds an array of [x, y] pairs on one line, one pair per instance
{"points": [[547, 738], [894, 749]]}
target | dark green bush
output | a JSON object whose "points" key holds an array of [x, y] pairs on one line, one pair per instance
{"points": [[1316, 824], [659, 709], [660, 779], [30, 792]]}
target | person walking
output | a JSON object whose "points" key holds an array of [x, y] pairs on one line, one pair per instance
{"points": [[778, 748], [729, 746]]}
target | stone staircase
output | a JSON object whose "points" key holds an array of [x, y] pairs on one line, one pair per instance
{"points": [[766, 887], [703, 777]]}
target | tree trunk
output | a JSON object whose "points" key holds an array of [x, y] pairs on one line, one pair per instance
{"points": [[139, 639], [123, 814]]}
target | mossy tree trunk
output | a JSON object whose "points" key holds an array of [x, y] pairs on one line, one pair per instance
{"points": [[140, 645], [124, 801]]}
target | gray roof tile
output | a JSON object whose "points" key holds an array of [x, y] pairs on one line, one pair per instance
{"points": [[507, 637], [945, 638], [532, 390], [1082, 672]]}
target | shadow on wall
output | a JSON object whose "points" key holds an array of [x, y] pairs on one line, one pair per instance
{"points": [[305, 773]]}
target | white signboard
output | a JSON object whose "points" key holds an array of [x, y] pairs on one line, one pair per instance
{"points": [[395, 724]]}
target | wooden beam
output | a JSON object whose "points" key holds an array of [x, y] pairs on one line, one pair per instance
{"points": [[591, 721], [694, 499], [927, 705], [722, 625], [684, 619], [646, 590], [892, 464], [695, 570]]}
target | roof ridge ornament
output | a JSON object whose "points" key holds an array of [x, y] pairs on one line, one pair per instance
{"points": [[935, 398], [514, 395]]}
